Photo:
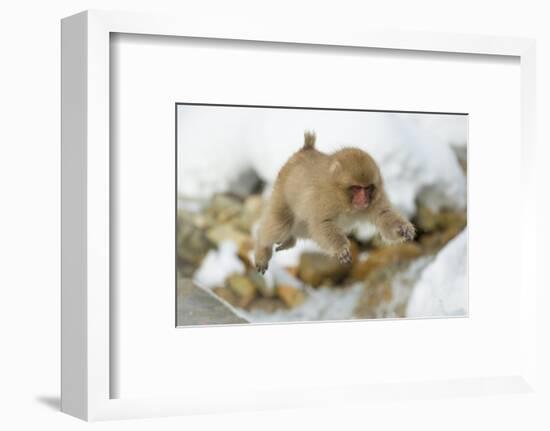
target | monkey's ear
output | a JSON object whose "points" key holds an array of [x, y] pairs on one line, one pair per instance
{"points": [[335, 167]]}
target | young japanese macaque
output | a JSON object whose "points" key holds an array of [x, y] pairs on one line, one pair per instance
{"points": [[322, 196]]}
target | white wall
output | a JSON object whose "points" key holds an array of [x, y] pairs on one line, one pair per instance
{"points": [[29, 174]]}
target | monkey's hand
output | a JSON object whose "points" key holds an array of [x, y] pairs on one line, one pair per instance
{"points": [[400, 231], [344, 256], [406, 231]]}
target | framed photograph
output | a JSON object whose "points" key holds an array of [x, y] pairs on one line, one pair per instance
{"points": [[290, 226], [311, 207]]}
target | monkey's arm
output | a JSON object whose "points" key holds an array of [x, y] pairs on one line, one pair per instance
{"points": [[330, 238], [392, 226]]}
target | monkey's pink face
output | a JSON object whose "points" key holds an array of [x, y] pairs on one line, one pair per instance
{"points": [[361, 196]]}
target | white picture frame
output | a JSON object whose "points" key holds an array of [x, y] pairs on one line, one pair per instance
{"points": [[86, 312]]}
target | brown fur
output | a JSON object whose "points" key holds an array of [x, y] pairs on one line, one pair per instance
{"points": [[311, 199]]}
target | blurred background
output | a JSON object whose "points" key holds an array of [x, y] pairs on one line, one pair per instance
{"points": [[228, 159]]}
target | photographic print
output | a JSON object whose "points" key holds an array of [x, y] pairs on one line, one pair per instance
{"points": [[288, 214]]}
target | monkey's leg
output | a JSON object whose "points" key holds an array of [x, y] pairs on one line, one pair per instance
{"points": [[392, 226], [262, 256], [275, 228], [286, 244], [331, 238]]}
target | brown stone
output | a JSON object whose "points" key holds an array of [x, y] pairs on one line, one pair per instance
{"points": [[191, 242], [318, 268], [242, 287], [291, 296], [244, 253], [385, 256], [250, 213], [225, 232], [462, 157], [428, 220], [268, 305], [226, 294], [377, 292], [292, 270], [260, 283], [203, 221], [432, 242], [224, 207]]}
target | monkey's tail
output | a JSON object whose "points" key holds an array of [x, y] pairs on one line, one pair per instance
{"points": [[309, 140]]}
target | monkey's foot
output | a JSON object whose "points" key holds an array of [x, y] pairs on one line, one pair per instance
{"points": [[344, 256], [285, 245], [261, 267], [262, 256]]}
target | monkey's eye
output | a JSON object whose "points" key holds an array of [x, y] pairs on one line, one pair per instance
{"points": [[371, 188]]}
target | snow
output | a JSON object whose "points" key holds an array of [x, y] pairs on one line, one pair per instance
{"points": [[217, 144], [452, 129], [291, 257], [321, 303], [442, 287], [218, 264]]}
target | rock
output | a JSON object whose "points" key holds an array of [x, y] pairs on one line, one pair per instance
{"points": [[387, 290], [227, 295], [250, 213], [428, 220], [401, 310], [462, 156], [425, 219], [291, 296], [246, 183], [243, 288], [432, 242], [259, 282], [318, 268], [293, 271], [197, 306], [374, 295], [185, 268], [191, 242], [225, 232], [385, 256], [244, 253], [224, 207], [438, 228], [203, 221], [267, 305], [451, 219]]}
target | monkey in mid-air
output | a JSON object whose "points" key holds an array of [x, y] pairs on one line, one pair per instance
{"points": [[322, 196]]}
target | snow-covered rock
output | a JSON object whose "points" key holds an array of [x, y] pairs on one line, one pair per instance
{"points": [[322, 303], [218, 265], [442, 287], [217, 144]]}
